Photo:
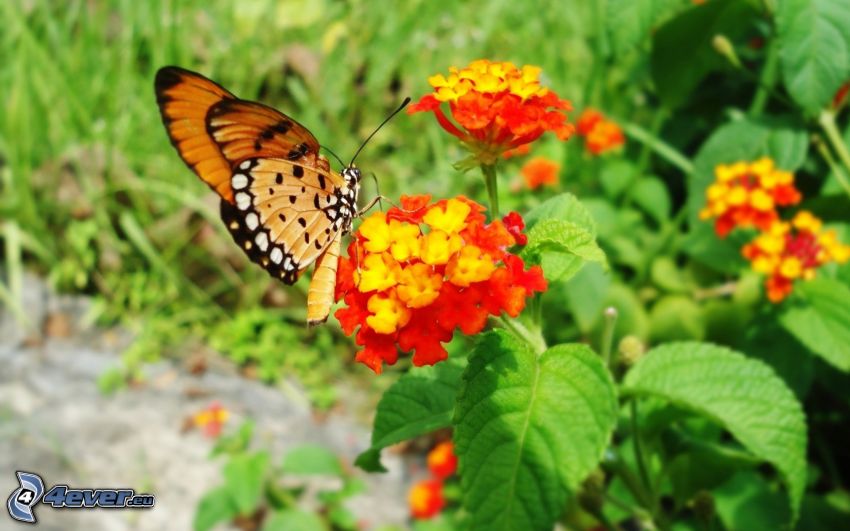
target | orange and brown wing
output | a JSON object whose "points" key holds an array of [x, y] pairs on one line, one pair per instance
{"points": [[284, 215], [185, 98]]}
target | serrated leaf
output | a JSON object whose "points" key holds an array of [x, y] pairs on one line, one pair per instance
{"points": [[294, 520], [814, 53], [743, 395], [565, 207], [682, 53], [420, 402], [312, 460], [630, 22], [822, 324], [215, 507], [244, 478], [561, 248], [528, 430]]}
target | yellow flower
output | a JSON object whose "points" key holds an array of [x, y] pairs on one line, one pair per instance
{"points": [[438, 246], [379, 272], [468, 266], [377, 233], [451, 219], [388, 313], [419, 285], [791, 267], [405, 240]]}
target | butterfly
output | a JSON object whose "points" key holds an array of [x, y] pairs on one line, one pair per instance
{"points": [[280, 200]]}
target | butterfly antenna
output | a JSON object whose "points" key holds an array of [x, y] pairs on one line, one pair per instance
{"points": [[341, 163], [387, 119]]}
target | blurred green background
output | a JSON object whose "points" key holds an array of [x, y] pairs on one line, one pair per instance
{"points": [[96, 200]]}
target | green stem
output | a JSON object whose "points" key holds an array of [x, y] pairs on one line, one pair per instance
{"points": [[534, 340], [827, 123], [608, 334], [838, 171], [491, 182], [660, 147], [643, 470], [766, 80]]}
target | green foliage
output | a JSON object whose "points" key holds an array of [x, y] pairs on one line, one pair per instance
{"points": [[814, 49], [822, 322], [529, 428], [561, 248], [743, 395]]}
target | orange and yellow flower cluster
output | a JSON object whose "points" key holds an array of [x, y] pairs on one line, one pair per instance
{"points": [[426, 497], [415, 273], [212, 419], [600, 134], [540, 171], [495, 106], [787, 252], [746, 195]]}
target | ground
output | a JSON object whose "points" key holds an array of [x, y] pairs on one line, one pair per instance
{"points": [[55, 421]]}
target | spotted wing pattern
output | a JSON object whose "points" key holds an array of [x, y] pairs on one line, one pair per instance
{"points": [[281, 202]]}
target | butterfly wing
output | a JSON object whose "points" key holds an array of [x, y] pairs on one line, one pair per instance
{"points": [[281, 202]]}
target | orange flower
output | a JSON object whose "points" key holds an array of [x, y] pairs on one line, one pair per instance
{"points": [[495, 107], [539, 171], [787, 252], [601, 135], [426, 499], [212, 419], [517, 151], [452, 274], [442, 461], [746, 194]]}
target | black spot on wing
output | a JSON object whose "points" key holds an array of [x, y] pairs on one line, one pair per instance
{"points": [[298, 171], [298, 151]]}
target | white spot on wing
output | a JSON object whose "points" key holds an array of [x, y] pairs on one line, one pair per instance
{"points": [[276, 255], [252, 220], [239, 181], [243, 201], [262, 240], [288, 264], [245, 165]]}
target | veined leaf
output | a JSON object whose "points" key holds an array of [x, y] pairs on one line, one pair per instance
{"points": [[420, 402], [528, 430], [561, 248], [565, 207], [743, 395], [823, 323]]}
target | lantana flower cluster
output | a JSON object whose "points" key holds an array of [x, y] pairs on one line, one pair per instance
{"points": [[787, 252], [540, 171], [212, 419], [426, 498], [600, 134], [416, 273], [746, 195], [495, 107]]}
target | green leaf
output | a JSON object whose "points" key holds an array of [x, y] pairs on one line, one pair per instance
{"points": [[616, 177], [586, 296], [676, 317], [312, 460], [561, 248], [215, 507], [743, 395], [630, 22], [746, 501], [244, 478], [652, 196], [822, 323], [682, 53], [294, 520], [420, 402], [528, 430], [814, 53], [564, 207]]}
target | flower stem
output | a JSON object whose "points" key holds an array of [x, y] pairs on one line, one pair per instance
{"points": [[534, 340], [827, 123], [489, 171], [608, 334], [662, 148], [767, 79], [838, 171], [641, 459]]}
